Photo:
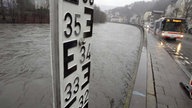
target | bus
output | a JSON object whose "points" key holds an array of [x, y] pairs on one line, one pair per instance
{"points": [[170, 28]]}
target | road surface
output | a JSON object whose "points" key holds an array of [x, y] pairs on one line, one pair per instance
{"points": [[180, 50]]}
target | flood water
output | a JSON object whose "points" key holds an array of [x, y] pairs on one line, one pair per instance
{"points": [[25, 73], [114, 57], [25, 69]]}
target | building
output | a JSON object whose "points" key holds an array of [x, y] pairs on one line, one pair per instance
{"points": [[147, 16], [41, 4], [116, 17]]}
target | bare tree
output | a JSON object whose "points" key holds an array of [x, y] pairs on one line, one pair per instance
{"points": [[2, 10], [99, 16], [20, 8], [176, 10], [46, 4], [170, 11], [11, 9], [24, 7], [187, 8]]}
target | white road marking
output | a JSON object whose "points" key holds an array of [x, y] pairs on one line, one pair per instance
{"points": [[186, 58], [187, 62], [138, 93], [181, 57]]}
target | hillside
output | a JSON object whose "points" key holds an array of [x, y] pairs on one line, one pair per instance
{"points": [[141, 7]]}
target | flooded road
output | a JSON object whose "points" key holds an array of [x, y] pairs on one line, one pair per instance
{"points": [[25, 72]]}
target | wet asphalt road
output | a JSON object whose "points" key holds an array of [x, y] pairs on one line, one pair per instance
{"points": [[25, 73], [180, 50]]}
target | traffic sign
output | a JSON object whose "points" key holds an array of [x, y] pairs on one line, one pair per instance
{"points": [[71, 30]]}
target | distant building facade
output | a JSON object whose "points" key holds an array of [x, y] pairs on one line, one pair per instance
{"points": [[116, 17]]}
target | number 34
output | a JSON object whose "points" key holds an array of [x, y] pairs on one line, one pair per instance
{"points": [[84, 54]]}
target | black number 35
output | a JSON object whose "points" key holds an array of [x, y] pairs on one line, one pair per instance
{"points": [[69, 28]]}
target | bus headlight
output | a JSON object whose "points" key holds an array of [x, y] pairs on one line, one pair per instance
{"points": [[163, 34], [182, 36]]}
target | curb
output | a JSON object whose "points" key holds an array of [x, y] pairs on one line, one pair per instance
{"points": [[129, 93], [151, 94], [143, 95], [139, 92]]}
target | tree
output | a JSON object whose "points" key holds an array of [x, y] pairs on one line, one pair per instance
{"points": [[11, 5], [2, 10], [187, 8], [46, 4], [170, 11], [42, 10], [138, 8], [24, 7], [26, 4], [161, 5], [99, 16], [176, 10]]}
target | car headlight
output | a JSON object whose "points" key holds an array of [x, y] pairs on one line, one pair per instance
{"points": [[163, 34]]}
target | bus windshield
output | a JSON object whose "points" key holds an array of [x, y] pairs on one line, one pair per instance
{"points": [[174, 26]]}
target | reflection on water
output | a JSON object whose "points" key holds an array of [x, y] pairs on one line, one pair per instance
{"points": [[162, 43], [178, 48]]}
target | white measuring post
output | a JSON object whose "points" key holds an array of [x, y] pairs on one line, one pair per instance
{"points": [[71, 34]]}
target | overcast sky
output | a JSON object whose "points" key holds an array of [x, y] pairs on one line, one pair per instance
{"points": [[116, 2]]}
